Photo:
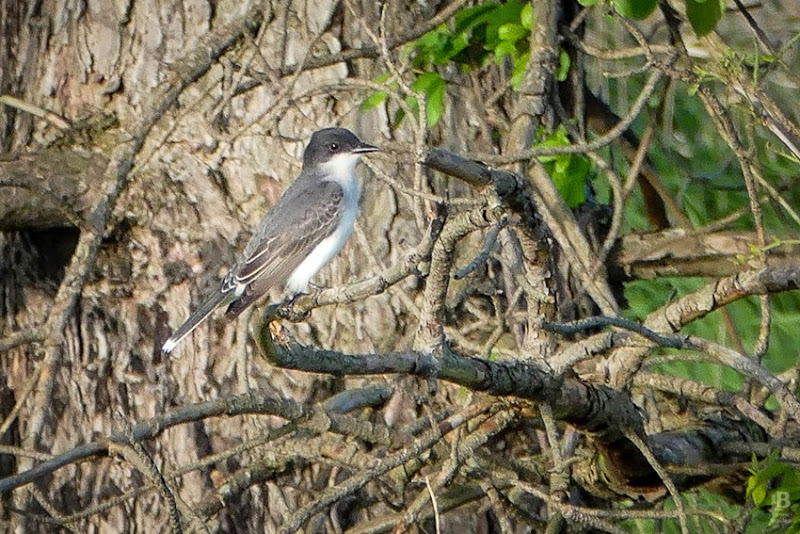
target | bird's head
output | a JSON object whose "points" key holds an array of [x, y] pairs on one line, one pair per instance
{"points": [[337, 149]]}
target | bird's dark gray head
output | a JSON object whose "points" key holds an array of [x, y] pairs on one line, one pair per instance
{"points": [[332, 144]]}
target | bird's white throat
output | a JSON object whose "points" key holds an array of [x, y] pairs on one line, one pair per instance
{"points": [[341, 168]]}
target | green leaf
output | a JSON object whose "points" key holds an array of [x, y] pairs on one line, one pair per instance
{"points": [[703, 15], [433, 39], [557, 138], [459, 43], [563, 66], [435, 104], [425, 81], [511, 32], [520, 66], [635, 9], [561, 164], [759, 494], [431, 48], [761, 485], [374, 100], [526, 17], [399, 115], [505, 48], [570, 177], [588, 3], [468, 18], [502, 14], [569, 172], [433, 87]]}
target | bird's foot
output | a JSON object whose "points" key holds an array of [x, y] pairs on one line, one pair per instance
{"points": [[288, 311]]}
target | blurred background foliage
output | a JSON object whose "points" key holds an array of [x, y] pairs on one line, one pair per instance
{"points": [[693, 161]]}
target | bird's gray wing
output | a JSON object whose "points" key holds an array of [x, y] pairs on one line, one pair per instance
{"points": [[299, 222]]}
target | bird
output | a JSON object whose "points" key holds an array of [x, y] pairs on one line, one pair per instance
{"points": [[302, 232]]}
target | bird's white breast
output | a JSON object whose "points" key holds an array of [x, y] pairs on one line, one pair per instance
{"points": [[340, 169]]}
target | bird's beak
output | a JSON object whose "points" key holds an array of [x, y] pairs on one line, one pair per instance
{"points": [[364, 148]]}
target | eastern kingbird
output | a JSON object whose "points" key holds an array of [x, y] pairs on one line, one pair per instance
{"points": [[300, 234]]}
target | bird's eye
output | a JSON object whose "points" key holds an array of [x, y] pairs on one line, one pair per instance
{"points": [[334, 147]]}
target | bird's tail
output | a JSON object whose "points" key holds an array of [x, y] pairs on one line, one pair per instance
{"points": [[200, 315]]}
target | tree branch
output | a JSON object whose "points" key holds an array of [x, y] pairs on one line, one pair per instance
{"points": [[227, 407]]}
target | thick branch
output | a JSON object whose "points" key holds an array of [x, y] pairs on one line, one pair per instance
{"points": [[517, 194], [510, 188], [693, 306], [677, 252], [50, 188], [599, 411], [228, 407]]}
